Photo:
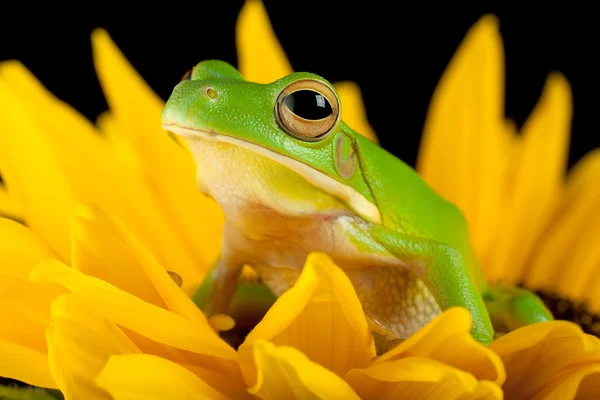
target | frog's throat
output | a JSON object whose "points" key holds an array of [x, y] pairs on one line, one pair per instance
{"points": [[363, 207]]}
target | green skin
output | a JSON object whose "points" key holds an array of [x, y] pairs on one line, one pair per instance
{"points": [[406, 225]]}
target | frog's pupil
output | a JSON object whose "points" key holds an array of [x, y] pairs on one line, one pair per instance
{"points": [[308, 104]]}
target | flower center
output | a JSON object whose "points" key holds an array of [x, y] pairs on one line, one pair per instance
{"points": [[570, 310]]}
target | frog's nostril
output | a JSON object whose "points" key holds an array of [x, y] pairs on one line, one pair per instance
{"points": [[211, 92]]}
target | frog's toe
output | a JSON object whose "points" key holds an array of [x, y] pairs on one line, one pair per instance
{"points": [[511, 307]]}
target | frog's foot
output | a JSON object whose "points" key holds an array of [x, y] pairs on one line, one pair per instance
{"points": [[395, 300], [216, 292], [442, 270], [511, 307]]}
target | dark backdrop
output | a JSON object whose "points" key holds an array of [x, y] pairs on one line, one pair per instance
{"points": [[397, 56]]}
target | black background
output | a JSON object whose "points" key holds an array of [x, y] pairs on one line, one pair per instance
{"points": [[396, 51]]}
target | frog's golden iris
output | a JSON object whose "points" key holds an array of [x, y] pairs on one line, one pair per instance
{"points": [[316, 119], [90, 279]]}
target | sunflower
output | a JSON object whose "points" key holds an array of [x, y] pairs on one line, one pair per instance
{"points": [[107, 238]]}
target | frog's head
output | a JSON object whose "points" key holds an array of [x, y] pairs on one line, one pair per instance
{"points": [[294, 120]]}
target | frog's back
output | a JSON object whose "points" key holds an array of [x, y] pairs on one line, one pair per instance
{"points": [[407, 203]]}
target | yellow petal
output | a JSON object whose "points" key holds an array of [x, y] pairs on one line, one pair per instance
{"points": [[25, 315], [534, 354], [9, 208], [32, 172], [353, 109], [260, 55], [571, 239], [447, 339], [20, 250], [418, 378], [192, 242], [147, 377], [583, 383], [25, 311], [321, 316], [463, 148], [285, 373], [103, 247], [538, 182], [80, 342], [108, 179], [25, 365], [133, 313]]}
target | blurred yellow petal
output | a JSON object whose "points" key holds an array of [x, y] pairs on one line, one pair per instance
{"points": [[583, 173], [107, 125], [80, 342], [9, 208], [260, 55], [25, 365], [539, 355], [418, 378], [572, 239], [103, 247], [25, 314], [322, 298], [32, 172], [447, 339], [191, 242], [147, 377], [538, 182], [20, 250], [353, 109], [74, 142], [285, 373], [463, 148]]}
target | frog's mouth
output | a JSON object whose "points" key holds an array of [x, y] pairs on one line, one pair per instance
{"points": [[355, 200]]}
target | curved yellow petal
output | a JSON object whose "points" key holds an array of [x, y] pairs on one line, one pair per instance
{"points": [[582, 383], [25, 365], [190, 242], [261, 57], [320, 316], [9, 208], [285, 373], [24, 306], [80, 342], [538, 181], [534, 354], [447, 339], [135, 314], [418, 378], [103, 247], [20, 249], [25, 315], [147, 377], [353, 109], [463, 147], [25, 311]]}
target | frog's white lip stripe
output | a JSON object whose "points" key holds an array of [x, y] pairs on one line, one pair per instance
{"points": [[357, 201]]}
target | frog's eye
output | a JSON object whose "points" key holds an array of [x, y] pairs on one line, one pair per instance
{"points": [[307, 110], [188, 75]]}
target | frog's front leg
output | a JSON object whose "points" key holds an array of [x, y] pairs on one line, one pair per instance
{"points": [[443, 272], [224, 279]]}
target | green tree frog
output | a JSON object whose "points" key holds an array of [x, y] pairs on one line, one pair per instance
{"points": [[292, 178]]}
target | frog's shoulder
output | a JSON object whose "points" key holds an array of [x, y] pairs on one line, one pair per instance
{"points": [[406, 202]]}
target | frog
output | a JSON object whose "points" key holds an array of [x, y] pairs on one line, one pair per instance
{"points": [[292, 179]]}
